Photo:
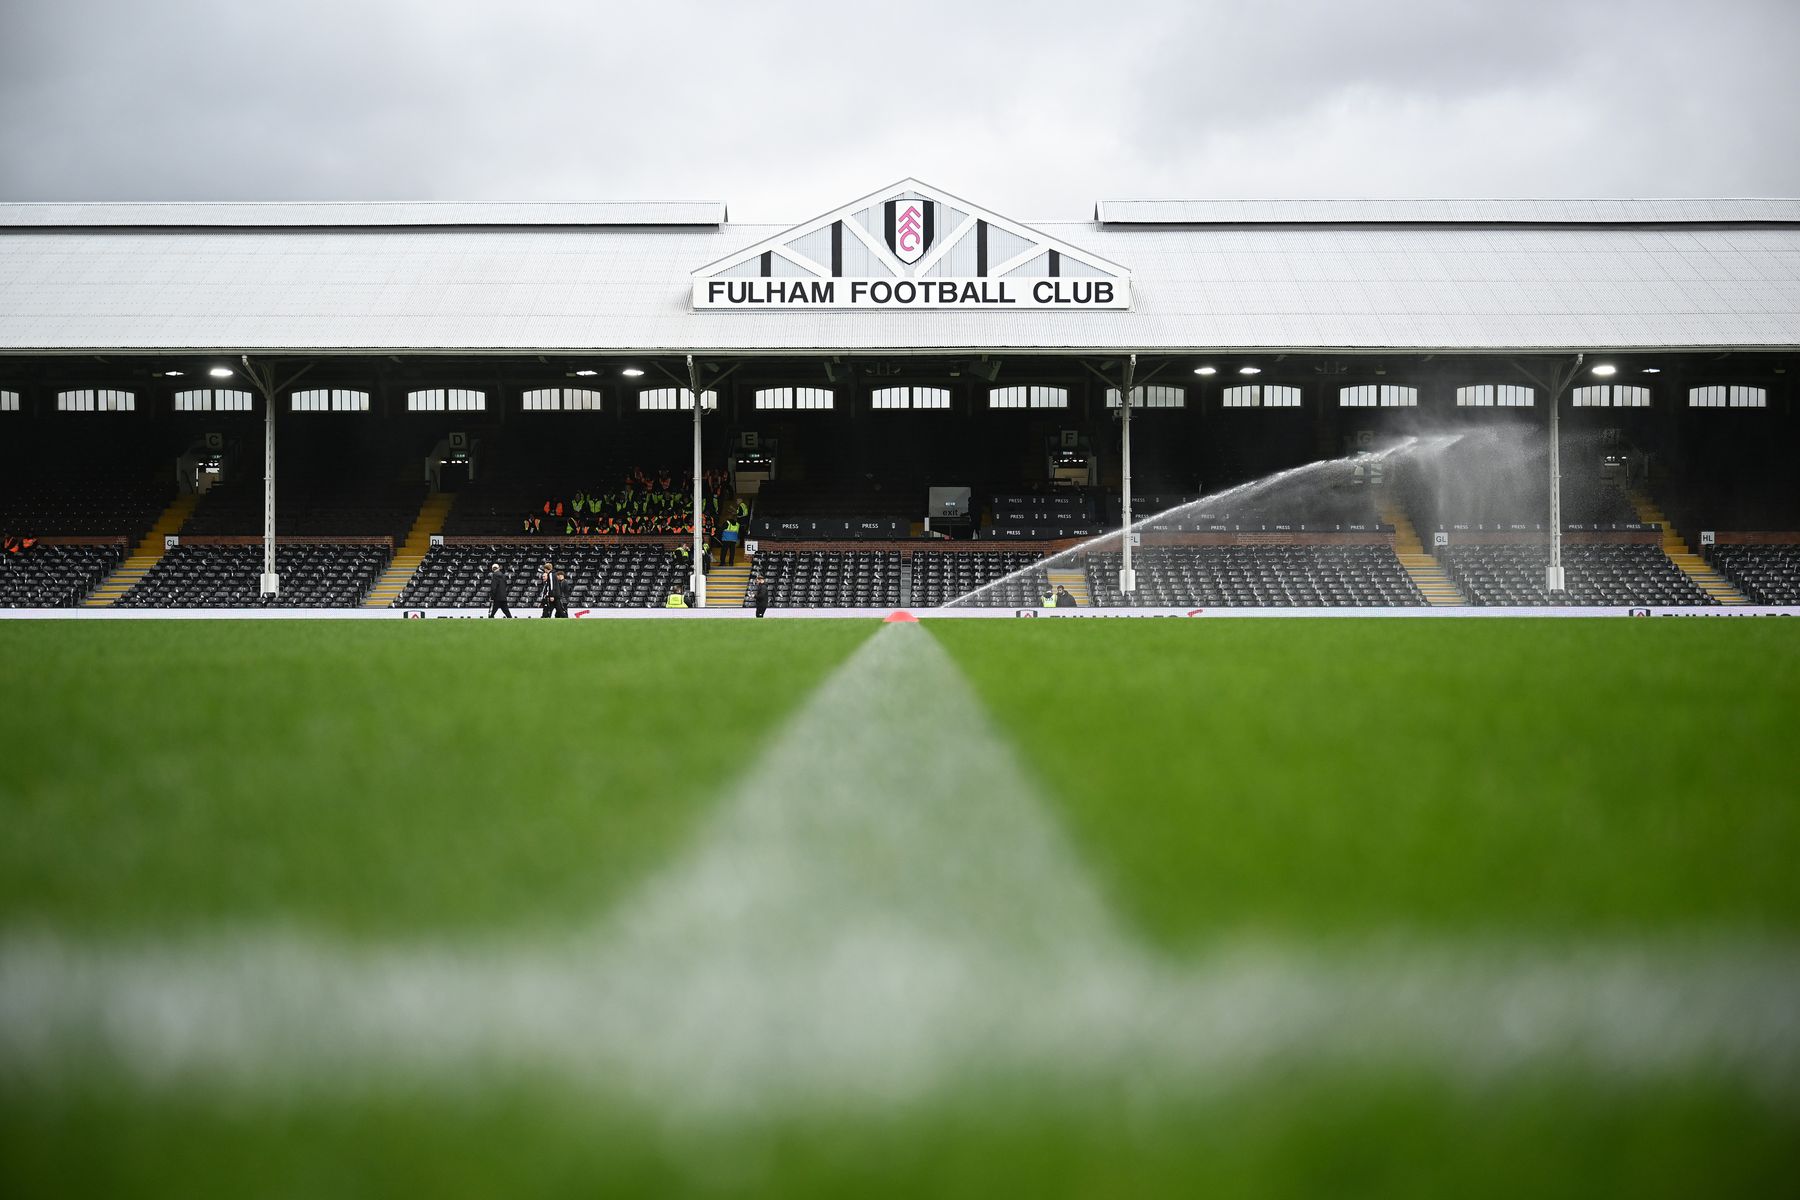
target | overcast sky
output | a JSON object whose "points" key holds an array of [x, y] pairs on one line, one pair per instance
{"points": [[784, 109]]}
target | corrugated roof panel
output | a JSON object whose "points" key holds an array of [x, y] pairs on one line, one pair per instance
{"points": [[359, 214], [524, 289], [1456, 212]]}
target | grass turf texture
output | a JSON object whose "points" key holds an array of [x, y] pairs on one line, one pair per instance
{"points": [[435, 777], [1322, 780], [1329, 777]]}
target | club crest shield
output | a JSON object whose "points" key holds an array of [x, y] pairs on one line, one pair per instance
{"points": [[910, 228]]}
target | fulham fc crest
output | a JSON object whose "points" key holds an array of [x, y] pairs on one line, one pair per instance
{"points": [[909, 228]]}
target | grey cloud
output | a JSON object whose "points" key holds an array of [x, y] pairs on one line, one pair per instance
{"points": [[785, 108]]}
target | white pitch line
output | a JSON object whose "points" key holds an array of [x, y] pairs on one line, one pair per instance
{"points": [[883, 910]]}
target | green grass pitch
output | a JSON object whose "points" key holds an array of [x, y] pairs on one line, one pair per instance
{"points": [[1326, 784]]}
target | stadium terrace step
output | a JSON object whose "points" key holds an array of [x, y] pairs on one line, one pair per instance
{"points": [[1427, 574], [1076, 582], [1681, 554], [726, 587], [145, 555], [411, 553]]}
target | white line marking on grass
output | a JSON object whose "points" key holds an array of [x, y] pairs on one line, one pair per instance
{"points": [[882, 911]]}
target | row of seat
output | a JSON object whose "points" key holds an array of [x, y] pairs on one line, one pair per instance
{"points": [[829, 579], [313, 575], [1599, 575], [1256, 577], [940, 578], [1766, 574], [600, 576], [55, 576]]}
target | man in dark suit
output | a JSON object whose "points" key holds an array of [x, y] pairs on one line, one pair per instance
{"points": [[546, 590], [497, 593], [561, 592], [761, 594]]}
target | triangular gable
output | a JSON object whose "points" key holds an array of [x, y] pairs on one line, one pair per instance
{"points": [[911, 231]]}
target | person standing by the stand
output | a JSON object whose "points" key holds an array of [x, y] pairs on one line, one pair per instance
{"points": [[497, 593], [761, 594], [546, 590]]}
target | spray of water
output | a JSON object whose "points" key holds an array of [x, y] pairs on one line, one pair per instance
{"points": [[1296, 486]]}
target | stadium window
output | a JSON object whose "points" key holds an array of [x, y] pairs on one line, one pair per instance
{"points": [[1611, 395], [816, 399], [1262, 395], [96, 400], [1028, 397], [1378, 395], [1154, 396], [1495, 395], [329, 400], [446, 400], [1722, 396], [561, 400], [910, 397], [212, 400], [674, 399], [9, 402]]}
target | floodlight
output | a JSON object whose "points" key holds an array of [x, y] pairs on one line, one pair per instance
{"points": [[1653, 370], [632, 372], [1249, 370], [1605, 369], [585, 373], [220, 372], [1206, 371]]}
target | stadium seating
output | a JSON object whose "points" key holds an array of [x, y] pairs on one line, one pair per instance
{"points": [[310, 508], [1603, 574], [54, 576], [1256, 577], [601, 576], [941, 576], [830, 579], [103, 507], [1766, 574], [314, 575]]}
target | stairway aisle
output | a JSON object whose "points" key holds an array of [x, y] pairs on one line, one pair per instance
{"points": [[1076, 582], [1715, 585], [406, 560], [145, 555], [1427, 574], [726, 586]]}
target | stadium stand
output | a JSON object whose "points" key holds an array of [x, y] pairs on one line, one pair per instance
{"points": [[1766, 574], [313, 575], [830, 579], [939, 576], [601, 576], [309, 508], [55, 576], [1601, 574], [1256, 577]]}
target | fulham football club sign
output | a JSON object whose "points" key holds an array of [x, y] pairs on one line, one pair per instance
{"points": [[911, 247]]}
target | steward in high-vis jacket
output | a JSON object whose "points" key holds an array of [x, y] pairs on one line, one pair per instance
{"points": [[676, 599], [1049, 600]]}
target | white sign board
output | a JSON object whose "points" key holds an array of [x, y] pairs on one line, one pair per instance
{"points": [[774, 295]]}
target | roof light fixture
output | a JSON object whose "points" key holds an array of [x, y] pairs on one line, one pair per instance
{"points": [[1249, 370], [632, 372], [1605, 369], [1653, 370], [585, 372], [1206, 371], [220, 372]]}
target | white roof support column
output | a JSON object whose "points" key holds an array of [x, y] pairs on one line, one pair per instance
{"points": [[261, 376]]}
